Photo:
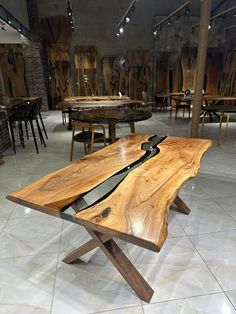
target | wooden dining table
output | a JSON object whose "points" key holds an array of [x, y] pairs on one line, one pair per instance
{"points": [[144, 174], [112, 117], [76, 104], [209, 102]]}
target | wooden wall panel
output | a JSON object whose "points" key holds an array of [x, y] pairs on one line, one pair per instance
{"points": [[13, 70], [86, 69], [168, 73], [188, 62], [212, 72], [139, 73], [59, 69], [161, 73], [56, 29], [56, 35], [114, 75], [227, 84]]}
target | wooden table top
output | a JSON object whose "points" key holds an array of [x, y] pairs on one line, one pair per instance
{"points": [[85, 104], [95, 98], [206, 98], [106, 115], [139, 206]]}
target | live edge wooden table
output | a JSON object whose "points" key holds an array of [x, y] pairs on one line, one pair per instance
{"points": [[136, 210]]}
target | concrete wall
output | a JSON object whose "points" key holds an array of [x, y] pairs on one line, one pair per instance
{"points": [[18, 9]]}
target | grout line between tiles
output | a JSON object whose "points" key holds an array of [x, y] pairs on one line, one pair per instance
{"points": [[186, 298], [120, 308], [229, 299], [206, 264], [58, 253]]}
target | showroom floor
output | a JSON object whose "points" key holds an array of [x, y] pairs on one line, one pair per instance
{"points": [[195, 272]]}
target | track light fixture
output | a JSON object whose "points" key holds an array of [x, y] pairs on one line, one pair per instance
{"points": [[220, 14], [70, 16], [170, 19], [126, 18]]}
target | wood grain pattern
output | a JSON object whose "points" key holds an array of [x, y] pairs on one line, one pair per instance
{"points": [[114, 75], [138, 208], [188, 62], [86, 68], [141, 216], [13, 70], [139, 73]]}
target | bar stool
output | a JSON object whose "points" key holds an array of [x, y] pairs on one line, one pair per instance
{"points": [[27, 113]]}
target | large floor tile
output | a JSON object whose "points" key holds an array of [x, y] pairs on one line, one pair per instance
{"points": [[25, 212], [232, 296], [218, 252], [6, 207], [30, 236], [26, 284], [205, 216], [91, 287], [228, 204], [176, 272], [2, 224], [208, 304]]}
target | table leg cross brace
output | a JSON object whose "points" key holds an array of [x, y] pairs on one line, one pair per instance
{"points": [[118, 258]]}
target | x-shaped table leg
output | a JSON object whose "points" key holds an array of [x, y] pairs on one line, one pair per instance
{"points": [[118, 258]]}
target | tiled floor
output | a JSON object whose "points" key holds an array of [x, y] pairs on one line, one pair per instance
{"points": [[195, 272]]}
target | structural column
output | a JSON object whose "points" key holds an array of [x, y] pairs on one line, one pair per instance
{"points": [[201, 62]]}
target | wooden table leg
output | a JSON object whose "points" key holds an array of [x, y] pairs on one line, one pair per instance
{"points": [[112, 132], [182, 207], [85, 248], [132, 127], [124, 266]]}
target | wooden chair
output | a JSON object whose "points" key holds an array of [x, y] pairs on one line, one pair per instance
{"points": [[185, 104], [87, 135]]}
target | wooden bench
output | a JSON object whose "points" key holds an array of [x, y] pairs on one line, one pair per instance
{"points": [[136, 210]]}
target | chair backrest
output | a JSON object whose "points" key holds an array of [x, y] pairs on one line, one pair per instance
{"points": [[24, 111], [81, 125]]}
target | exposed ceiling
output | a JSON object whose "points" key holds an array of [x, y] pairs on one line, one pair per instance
{"points": [[8, 35]]}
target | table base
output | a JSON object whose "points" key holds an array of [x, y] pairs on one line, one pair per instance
{"points": [[118, 258]]}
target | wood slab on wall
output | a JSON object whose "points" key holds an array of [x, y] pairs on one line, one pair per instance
{"points": [[188, 63], [56, 34], [139, 73], [86, 70], [59, 68], [168, 73], [114, 75], [13, 70], [212, 71], [227, 83]]}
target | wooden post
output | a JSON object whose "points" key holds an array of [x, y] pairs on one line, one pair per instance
{"points": [[201, 62]]}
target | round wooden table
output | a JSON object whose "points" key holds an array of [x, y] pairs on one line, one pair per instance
{"points": [[111, 117]]}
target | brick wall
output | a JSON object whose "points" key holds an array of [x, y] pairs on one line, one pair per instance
{"points": [[34, 71]]}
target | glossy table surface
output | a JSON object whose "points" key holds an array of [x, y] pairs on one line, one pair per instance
{"points": [[111, 115]]}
